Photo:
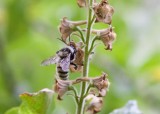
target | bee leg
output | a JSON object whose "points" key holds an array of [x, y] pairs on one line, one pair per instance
{"points": [[75, 66]]}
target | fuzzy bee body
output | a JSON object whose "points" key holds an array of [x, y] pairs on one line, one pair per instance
{"points": [[62, 74], [63, 59]]}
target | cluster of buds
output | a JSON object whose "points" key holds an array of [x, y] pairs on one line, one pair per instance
{"points": [[71, 58]]}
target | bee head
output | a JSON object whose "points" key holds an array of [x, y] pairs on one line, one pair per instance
{"points": [[64, 52]]}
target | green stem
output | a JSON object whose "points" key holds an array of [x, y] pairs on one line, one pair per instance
{"points": [[88, 88], [92, 45], [80, 31], [93, 19], [80, 107], [75, 94]]}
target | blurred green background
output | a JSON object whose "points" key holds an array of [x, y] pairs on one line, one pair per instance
{"points": [[28, 34]]}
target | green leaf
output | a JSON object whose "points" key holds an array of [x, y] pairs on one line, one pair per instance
{"points": [[33, 103]]}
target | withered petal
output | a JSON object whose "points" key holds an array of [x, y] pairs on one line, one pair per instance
{"points": [[65, 29], [102, 92], [107, 38]]}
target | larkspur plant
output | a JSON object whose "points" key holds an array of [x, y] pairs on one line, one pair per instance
{"points": [[75, 56]]}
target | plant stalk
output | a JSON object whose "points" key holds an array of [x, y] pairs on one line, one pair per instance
{"points": [[80, 107]]}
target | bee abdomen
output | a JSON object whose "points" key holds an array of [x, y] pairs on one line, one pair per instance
{"points": [[62, 74]]}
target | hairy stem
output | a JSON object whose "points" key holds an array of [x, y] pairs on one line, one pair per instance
{"points": [[80, 107]]}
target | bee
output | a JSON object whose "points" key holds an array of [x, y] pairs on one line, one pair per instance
{"points": [[63, 59]]}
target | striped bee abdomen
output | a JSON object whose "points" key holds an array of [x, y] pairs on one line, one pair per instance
{"points": [[63, 75]]}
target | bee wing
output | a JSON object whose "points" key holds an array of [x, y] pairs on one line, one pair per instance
{"points": [[64, 63], [51, 60]]}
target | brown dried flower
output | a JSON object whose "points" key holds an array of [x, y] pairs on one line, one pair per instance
{"points": [[103, 12], [94, 103], [78, 58], [61, 87], [107, 36], [67, 27], [81, 3], [102, 84]]}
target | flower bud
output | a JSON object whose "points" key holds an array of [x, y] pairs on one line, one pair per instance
{"points": [[102, 84], [81, 3], [67, 27], [61, 87], [103, 12], [94, 104]]}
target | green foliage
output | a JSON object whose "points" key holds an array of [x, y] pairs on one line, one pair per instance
{"points": [[14, 110], [33, 103]]}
